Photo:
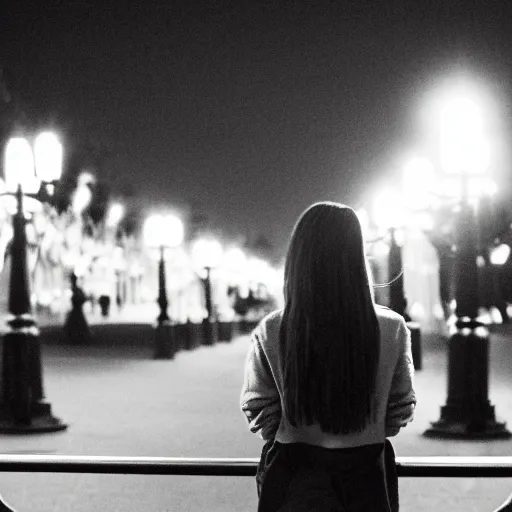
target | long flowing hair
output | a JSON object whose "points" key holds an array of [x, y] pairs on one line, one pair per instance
{"points": [[329, 334]]}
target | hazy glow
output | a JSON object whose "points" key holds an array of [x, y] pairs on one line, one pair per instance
{"points": [[489, 187], [388, 209], [48, 156], [40, 223], [163, 230], [423, 220], [259, 271], [463, 147], [478, 186], [499, 255], [235, 259], [19, 166], [85, 178], [81, 198], [114, 215], [136, 269], [180, 258], [207, 252], [364, 220], [118, 259], [418, 182]]}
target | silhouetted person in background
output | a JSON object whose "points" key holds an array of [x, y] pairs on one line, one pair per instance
{"points": [[76, 326], [104, 302], [342, 368]]}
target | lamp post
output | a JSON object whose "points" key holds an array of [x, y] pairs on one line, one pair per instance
{"points": [[397, 299], [206, 255], [119, 264], [163, 232], [23, 408], [114, 215], [235, 265], [389, 215], [389, 211], [468, 413]]}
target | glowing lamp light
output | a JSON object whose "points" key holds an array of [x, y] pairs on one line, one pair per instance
{"points": [[463, 147], [85, 178], [499, 255], [388, 209], [48, 157], [114, 215], [19, 166], [207, 252], [163, 230], [81, 199]]}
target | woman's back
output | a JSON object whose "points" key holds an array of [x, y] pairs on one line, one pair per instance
{"points": [[329, 377], [393, 401]]}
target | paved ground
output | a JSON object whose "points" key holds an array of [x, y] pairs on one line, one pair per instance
{"points": [[118, 401]]}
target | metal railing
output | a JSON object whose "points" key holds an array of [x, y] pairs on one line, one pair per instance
{"points": [[447, 467]]}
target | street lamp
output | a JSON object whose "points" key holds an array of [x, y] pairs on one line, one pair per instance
{"points": [[114, 215], [234, 271], [163, 232], [206, 255], [23, 409], [468, 413], [82, 195], [390, 213]]}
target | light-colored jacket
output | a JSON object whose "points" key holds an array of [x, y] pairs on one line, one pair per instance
{"points": [[262, 393]]}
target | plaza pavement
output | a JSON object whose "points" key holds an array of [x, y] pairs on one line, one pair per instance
{"points": [[119, 401]]}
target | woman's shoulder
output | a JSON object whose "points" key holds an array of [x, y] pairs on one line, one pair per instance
{"points": [[388, 319], [268, 325]]}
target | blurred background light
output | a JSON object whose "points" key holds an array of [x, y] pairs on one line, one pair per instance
{"points": [[500, 254]]}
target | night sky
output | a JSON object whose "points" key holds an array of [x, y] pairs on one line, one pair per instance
{"points": [[250, 111]]}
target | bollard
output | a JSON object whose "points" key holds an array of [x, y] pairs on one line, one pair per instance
{"points": [[210, 332], [194, 335], [181, 335], [164, 341], [417, 357], [225, 331]]}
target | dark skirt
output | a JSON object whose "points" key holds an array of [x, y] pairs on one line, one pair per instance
{"points": [[302, 477]]}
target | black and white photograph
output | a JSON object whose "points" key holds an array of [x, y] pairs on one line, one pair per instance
{"points": [[256, 256]]}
